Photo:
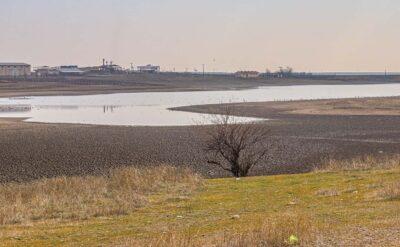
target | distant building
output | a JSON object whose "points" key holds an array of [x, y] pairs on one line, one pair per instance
{"points": [[15, 69], [46, 71], [105, 68], [72, 70], [149, 69], [111, 69], [247, 74]]}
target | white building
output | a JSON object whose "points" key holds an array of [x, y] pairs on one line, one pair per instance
{"points": [[149, 69], [45, 71], [247, 74], [15, 69], [70, 70]]}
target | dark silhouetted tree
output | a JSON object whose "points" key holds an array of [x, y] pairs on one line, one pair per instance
{"points": [[236, 146]]}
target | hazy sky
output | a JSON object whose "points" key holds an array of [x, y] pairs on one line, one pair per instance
{"points": [[226, 35]]}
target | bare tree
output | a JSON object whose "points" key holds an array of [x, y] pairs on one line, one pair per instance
{"points": [[236, 147], [288, 71]]}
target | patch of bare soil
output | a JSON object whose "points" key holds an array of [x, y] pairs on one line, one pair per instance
{"points": [[297, 143], [384, 106]]}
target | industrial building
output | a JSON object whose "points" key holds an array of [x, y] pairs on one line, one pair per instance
{"points": [[72, 70], [14, 69], [106, 68], [110, 68], [247, 74], [46, 71], [149, 69]]}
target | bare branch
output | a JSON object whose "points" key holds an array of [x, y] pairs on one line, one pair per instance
{"points": [[239, 146], [219, 164]]}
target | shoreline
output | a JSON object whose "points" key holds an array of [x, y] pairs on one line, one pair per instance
{"points": [[74, 86], [271, 110], [298, 143], [363, 106]]}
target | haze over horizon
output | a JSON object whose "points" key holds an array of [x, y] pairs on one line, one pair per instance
{"points": [[308, 35]]}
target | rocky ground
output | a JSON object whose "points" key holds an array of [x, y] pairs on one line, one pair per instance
{"points": [[298, 143]]}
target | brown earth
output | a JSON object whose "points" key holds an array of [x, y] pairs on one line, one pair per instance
{"points": [[379, 106], [367, 106], [298, 143], [82, 85]]}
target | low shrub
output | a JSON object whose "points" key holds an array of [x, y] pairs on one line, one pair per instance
{"points": [[361, 163], [115, 193], [289, 230]]}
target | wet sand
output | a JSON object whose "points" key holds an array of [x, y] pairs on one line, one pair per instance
{"points": [[378, 106]]}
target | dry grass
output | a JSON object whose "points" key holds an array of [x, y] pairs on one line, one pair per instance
{"points": [[327, 192], [271, 233], [386, 192], [205, 218], [361, 163], [390, 192], [116, 193]]}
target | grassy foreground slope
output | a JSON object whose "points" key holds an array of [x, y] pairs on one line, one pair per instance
{"points": [[356, 208]]}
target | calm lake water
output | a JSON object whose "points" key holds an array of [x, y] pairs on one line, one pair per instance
{"points": [[151, 108]]}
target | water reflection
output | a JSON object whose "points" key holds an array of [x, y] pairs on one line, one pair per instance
{"points": [[151, 109], [109, 109], [56, 107], [15, 108]]}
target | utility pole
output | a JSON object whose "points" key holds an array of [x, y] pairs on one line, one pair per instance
{"points": [[214, 63], [204, 70]]}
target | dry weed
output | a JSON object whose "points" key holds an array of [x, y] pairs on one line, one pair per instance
{"points": [[327, 192], [274, 233], [361, 163], [115, 193], [390, 192]]}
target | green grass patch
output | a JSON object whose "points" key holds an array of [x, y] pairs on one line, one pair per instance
{"points": [[335, 201]]}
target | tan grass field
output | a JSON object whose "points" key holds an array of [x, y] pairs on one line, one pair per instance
{"points": [[79, 198], [385, 106], [346, 204], [365, 106], [377, 106]]}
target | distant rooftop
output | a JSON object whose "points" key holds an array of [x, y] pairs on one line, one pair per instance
{"points": [[69, 66], [149, 66], [14, 64], [70, 70], [247, 72]]}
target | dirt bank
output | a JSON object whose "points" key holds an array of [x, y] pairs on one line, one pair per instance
{"points": [[298, 141], [379, 106], [83, 85], [31, 150]]}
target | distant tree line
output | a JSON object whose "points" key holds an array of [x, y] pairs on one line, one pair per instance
{"points": [[285, 72]]}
